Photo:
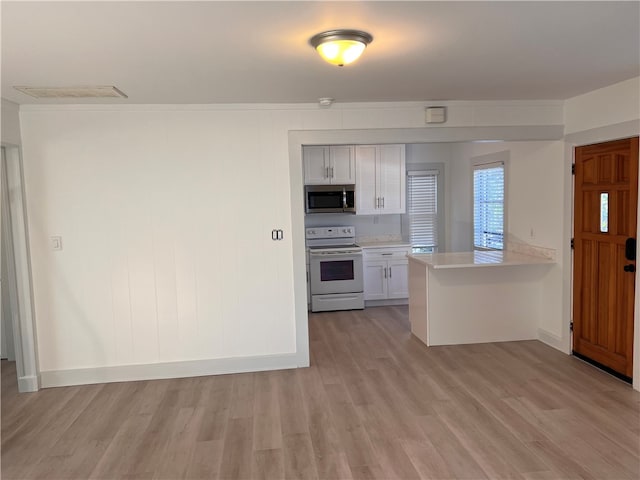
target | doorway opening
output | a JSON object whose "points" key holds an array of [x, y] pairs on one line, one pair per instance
{"points": [[16, 290]]}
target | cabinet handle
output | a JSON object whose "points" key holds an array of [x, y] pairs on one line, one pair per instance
{"points": [[389, 272], [326, 172], [382, 202], [331, 172], [385, 272]]}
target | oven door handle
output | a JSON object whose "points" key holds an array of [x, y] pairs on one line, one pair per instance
{"points": [[341, 253]]}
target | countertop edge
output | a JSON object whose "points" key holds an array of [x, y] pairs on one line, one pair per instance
{"points": [[522, 260]]}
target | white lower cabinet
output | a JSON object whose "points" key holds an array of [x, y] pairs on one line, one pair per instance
{"points": [[386, 273]]}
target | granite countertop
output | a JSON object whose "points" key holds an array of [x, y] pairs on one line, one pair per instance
{"points": [[476, 259]]}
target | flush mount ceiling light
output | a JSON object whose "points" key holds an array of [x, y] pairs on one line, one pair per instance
{"points": [[340, 47]]}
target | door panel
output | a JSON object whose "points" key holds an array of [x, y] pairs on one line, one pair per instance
{"points": [[375, 285], [392, 178], [343, 164], [366, 174], [316, 161], [398, 284], [606, 197]]}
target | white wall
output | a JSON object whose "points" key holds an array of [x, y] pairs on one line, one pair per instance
{"points": [[165, 214], [606, 106], [165, 218]]}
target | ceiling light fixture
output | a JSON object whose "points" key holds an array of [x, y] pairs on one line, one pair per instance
{"points": [[340, 47]]}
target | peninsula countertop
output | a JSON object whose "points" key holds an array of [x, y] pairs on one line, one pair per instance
{"points": [[477, 259]]}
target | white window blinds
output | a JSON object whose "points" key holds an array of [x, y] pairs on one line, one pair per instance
{"points": [[488, 206], [422, 207]]}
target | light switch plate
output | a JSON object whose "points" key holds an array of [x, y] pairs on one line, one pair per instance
{"points": [[56, 242]]}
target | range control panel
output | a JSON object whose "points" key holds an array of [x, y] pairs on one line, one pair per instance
{"points": [[330, 232]]}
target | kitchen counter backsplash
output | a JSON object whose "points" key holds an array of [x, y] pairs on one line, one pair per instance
{"points": [[382, 239], [517, 246]]}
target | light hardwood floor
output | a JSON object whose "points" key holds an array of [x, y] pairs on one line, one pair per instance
{"points": [[376, 403]]}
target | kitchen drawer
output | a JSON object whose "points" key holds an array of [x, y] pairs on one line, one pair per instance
{"points": [[386, 253]]}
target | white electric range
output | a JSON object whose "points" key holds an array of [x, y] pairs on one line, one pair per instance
{"points": [[335, 269]]}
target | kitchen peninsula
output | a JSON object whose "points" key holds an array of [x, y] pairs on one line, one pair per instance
{"points": [[475, 297]]}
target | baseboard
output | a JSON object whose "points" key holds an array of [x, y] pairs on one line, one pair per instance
{"points": [[385, 303], [156, 371], [28, 384], [553, 340]]}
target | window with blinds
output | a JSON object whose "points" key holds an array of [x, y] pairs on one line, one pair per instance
{"points": [[488, 206], [422, 209]]}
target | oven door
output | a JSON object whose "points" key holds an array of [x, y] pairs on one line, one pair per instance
{"points": [[335, 272]]}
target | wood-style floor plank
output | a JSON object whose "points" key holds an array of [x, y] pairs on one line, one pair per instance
{"points": [[375, 404]]}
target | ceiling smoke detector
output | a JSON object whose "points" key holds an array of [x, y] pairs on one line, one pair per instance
{"points": [[325, 101], [73, 92]]}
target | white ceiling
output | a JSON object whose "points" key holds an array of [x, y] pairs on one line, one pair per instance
{"points": [[258, 52]]}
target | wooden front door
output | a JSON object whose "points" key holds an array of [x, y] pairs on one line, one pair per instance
{"points": [[606, 199]]}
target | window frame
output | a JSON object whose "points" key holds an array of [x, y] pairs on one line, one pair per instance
{"points": [[439, 170], [484, 162]]}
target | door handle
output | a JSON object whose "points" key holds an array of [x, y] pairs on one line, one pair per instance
{"points": [[629, 268]]}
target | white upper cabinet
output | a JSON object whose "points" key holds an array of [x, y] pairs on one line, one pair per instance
{"points": [[342, 164], [316, 162], [380, 179], [324, 165]]}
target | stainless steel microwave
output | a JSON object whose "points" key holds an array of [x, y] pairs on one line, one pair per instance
{"points": [[330, 198]]}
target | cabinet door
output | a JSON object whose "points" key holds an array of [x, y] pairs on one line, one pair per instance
{"points": [[366, 191], [316, 164], [398, 279], [392, 179], [375, 283], [342, 164]]}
